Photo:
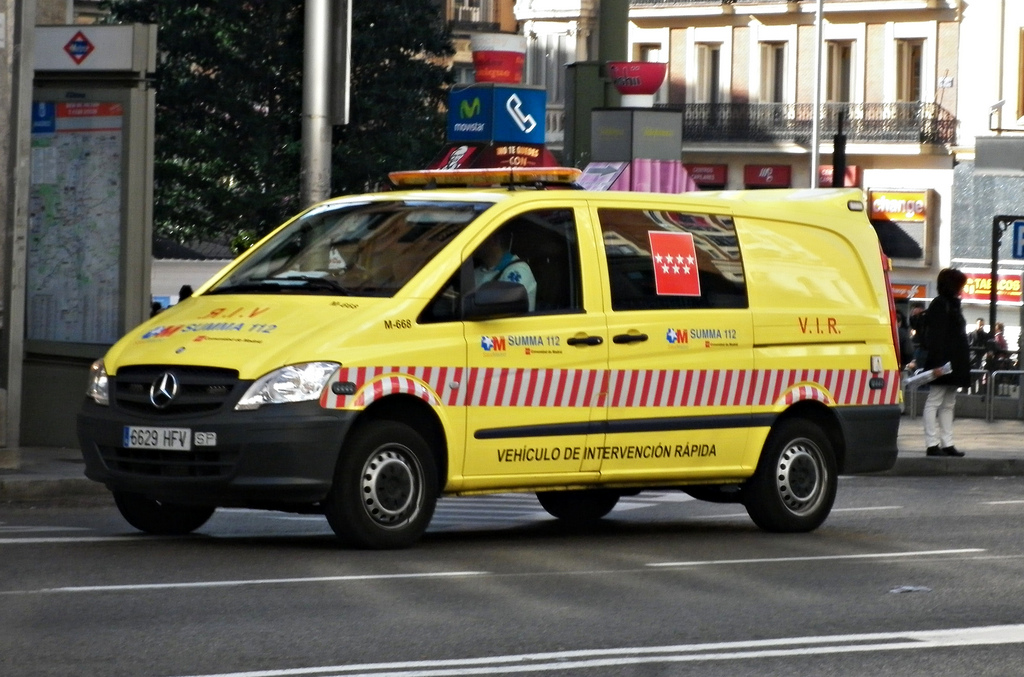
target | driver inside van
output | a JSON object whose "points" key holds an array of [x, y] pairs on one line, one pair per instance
{"points": [[494, 260]]}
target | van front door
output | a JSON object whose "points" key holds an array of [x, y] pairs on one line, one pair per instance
{"points": [[533, 378]]}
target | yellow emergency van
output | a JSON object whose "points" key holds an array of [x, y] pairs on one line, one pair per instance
{"points": [[374, 353]]}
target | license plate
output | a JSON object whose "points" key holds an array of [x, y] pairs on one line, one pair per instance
{"points": [[171, 439]]}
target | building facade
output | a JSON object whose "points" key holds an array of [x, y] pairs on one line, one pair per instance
{"points": [[911, 83]]}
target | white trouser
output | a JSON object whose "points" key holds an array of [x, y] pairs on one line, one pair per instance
{"points": [[938, 416]]}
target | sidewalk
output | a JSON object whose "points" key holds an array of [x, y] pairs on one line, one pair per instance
{"points": [[993, 449]]}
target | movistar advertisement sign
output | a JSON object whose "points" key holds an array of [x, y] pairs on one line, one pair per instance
{"points": [[489, 112]]}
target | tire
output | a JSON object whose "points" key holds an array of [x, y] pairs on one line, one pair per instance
{"points": [[159, 517], [578, 507], [385, 487], [795, 483]]}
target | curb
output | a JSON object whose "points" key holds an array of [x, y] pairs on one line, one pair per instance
{"points": [[54, 490], [934, 467]]}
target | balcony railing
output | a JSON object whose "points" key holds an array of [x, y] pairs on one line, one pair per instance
{"points": [[918, 123]]}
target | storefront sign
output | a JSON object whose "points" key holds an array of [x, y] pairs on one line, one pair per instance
{"points": [[767, 176], [979, 287], [851, 177], [909, 291], [708, 175], [903, 206]]}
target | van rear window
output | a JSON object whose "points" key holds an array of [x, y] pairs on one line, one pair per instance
{"points": [[672, 260]]}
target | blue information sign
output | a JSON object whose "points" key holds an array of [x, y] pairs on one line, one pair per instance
{"points": [[1018, 239]]}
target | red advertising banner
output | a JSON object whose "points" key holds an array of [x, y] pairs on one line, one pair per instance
{"points": [[708, 175], [767, 176], [979, 287], [851, 177]]}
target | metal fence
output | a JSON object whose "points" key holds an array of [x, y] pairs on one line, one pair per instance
{"points": [[992, 395], [917, 122]]}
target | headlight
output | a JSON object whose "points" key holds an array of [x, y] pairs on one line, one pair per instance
{"points": [[294, 383], [99, 388]]}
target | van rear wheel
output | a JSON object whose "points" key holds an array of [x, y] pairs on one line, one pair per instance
{"points": [[385, 487], [794, 486], [159, 517], [578, 507]]}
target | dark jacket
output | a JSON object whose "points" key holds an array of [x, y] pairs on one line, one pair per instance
{"points": [[945, 340]]}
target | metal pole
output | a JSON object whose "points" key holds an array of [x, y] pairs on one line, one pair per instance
{"points": [[315, 176], [816, 122]]}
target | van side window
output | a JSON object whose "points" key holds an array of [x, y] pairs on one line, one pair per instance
{"points": [[538, 248], [671, 260]]}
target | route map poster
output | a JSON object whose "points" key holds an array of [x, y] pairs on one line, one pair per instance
{"points": [[73, 272]]}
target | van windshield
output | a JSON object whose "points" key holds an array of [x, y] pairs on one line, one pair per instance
{"points": [[370, 248]]}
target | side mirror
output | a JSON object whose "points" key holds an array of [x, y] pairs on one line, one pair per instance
{"points": [[497, 299]]}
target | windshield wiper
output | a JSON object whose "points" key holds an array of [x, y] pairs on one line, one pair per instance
{"points": [[283, 285], [316, 282]]}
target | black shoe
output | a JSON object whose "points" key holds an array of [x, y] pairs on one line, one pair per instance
{"points": [[934, 451], [951, 451]]}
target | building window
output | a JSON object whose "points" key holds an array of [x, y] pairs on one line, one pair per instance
{"points": [[651, 53], [773, 72], [840, 72], [546, 57], [909, 69], [709, 68]]}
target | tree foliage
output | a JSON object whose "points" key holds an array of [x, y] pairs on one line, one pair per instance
{"points": [[229, 103]]}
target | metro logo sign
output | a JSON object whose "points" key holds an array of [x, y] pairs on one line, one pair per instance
{"points": [[675, 264], [79, 47]]}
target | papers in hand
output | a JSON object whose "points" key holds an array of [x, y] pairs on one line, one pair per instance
{"points": [[924, 376]]}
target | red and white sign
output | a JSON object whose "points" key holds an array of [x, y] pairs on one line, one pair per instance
{"points": [[675, 264], [903, 206], [767, 176], [708, 175], [979, 287], [851, 177]]}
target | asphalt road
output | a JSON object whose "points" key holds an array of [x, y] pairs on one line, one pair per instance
{"points": [[909, 576]]}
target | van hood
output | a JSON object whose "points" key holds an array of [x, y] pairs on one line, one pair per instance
{"points": [[252, 334]]}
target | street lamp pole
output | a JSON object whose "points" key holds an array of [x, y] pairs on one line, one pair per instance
{"points": [[315, 175], [816, 122]]}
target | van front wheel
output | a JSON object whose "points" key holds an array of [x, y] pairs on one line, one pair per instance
{"points": [[385, 487], [158, 517], [794, 485]]}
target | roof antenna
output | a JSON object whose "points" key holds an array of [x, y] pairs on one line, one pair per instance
{"points": [[511, 178]]}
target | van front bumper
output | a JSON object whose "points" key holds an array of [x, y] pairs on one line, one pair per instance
{"points": [[276, 456]]}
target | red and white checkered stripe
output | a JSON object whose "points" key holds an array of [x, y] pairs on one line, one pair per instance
{"points": [[501, 387]]}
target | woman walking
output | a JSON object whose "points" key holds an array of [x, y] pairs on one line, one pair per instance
{"points": [[945, 340]]}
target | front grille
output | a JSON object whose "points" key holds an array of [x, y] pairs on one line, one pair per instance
{"points": [[201, 389], [155, 463]]}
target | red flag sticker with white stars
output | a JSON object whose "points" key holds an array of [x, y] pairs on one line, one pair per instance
{"points": [[675, 264]]}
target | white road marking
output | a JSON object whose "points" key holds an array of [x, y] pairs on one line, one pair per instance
{"points": [[1014, 502], [242, 582], [137, 587], [38, 529], [561, 661], [816, 558]]}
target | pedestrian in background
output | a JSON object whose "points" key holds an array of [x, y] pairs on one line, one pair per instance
{"points": [[946, 340], [906, 340], [977, 340]]}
